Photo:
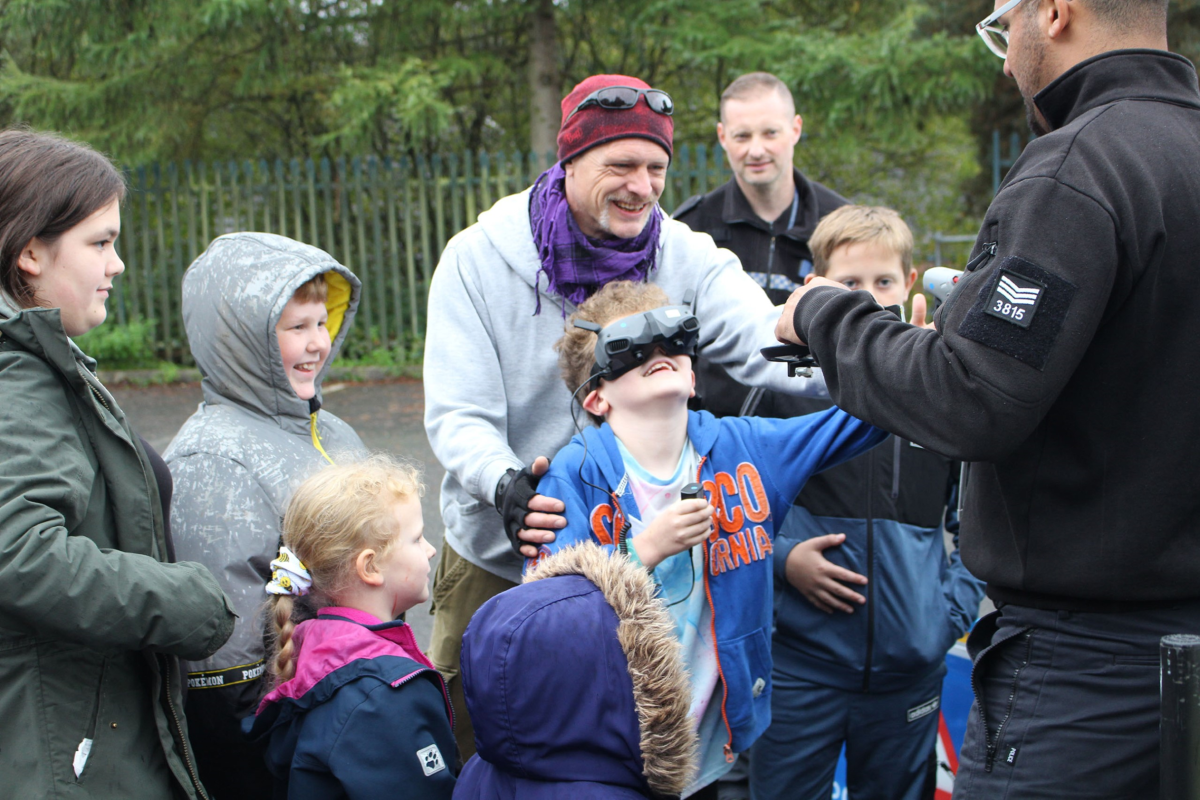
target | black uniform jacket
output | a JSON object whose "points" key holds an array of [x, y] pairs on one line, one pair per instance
{"points": [[776, 256], [1065, 363]]}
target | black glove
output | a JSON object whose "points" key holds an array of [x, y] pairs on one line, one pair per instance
{"points": [[513, 493]]}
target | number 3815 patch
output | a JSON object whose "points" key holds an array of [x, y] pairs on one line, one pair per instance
{"points": [[1015, 299]]}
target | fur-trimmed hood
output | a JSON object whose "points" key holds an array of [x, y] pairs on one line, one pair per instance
{"points": [[576, 676]]}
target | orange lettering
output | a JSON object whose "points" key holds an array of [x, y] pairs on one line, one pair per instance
{"points": [[730, 522], [718, 559], [763, 541], [602, 519], [737, 548], [754, 496]]}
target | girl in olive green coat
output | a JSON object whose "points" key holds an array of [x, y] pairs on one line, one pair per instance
{"points": [[92, 615]]}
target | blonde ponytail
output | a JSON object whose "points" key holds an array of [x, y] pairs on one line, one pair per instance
{"points": [[283, 663]]}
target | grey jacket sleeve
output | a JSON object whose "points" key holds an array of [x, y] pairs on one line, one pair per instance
{"points": [[976, 388], [222, 518], [57, 582], [737, 321], [466, 420]]}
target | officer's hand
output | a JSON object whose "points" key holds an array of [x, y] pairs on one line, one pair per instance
{"points": [[819, 579], [784, 329]]}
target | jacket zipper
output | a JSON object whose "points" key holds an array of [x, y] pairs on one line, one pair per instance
{"points": [[870, 572], [991, 744], [896, 473], [716, 650], [95, 392], [445, 693], [986, 252], [770, 263], [90, 735], [183, 742]]}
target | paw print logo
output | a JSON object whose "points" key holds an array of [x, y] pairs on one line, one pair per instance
{"points": [[431, 760]]}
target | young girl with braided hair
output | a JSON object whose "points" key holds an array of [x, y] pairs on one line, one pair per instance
{"points": [[356, 709]]}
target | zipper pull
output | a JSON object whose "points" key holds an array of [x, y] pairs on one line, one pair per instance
{"points": [[990, 761], [729, 756]]}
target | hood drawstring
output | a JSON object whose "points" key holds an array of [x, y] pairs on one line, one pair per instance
{"points": [[316, 437]]}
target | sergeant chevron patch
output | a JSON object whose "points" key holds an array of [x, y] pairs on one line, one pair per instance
{"points": [[1019, 310], [1015, 299]]}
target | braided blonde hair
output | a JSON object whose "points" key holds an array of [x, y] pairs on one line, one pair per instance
{"points": [[332, 517]]}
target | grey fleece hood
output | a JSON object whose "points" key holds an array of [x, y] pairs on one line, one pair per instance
{"points": [[233, 296]]}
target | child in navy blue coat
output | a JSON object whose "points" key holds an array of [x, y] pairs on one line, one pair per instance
{"points": [[622, 483], [356, 709], [576, 686]]}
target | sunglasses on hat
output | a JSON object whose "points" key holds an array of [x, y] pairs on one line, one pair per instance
{"points": [[622, 98]]}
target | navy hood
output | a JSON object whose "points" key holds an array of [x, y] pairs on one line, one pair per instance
{"points": [[575, 686]]}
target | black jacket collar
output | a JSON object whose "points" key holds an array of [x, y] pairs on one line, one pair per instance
{"points": [[737, 209], [1118, 75]]}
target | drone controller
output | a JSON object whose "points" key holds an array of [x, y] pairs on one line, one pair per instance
{"points": [[797, 357]]}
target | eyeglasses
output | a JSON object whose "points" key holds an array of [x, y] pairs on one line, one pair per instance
{"points": [[622, 98], [994, 36]]}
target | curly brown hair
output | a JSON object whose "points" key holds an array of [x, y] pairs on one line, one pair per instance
{"points": [[577, 348]]}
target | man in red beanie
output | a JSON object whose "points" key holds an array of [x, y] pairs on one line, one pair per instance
{"points": [[494, 402]]}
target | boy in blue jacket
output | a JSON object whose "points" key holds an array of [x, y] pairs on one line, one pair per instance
{"points": [[630, 354], [868, 602]]}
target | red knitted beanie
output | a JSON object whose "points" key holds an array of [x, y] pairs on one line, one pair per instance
{"points": [[595, 125]]}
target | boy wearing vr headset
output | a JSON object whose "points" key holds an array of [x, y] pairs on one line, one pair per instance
{"points": [[630, 355]]}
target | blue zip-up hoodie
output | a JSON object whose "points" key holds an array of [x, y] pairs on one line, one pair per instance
{"points": [[365, 716], [751, 468], [890, 503]]}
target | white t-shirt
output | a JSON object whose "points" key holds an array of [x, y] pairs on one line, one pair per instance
{"points": [[681, 577]]}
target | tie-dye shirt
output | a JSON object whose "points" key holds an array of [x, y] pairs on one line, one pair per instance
{"points": [[681, 577]]}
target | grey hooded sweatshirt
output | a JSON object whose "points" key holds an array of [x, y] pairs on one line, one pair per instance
{"points": [[237, 460], [494, 399]]}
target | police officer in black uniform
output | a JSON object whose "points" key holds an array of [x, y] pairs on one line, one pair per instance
{"points": [[1064, 368], [765, 214]]}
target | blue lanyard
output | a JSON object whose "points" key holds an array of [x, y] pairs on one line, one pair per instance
{"points": [[795, 208]]}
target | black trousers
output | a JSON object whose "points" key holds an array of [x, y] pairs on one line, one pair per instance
{"points": [[1066, 704]]}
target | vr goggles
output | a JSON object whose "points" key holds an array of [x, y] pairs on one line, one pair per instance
{"points": [[627, 343]]}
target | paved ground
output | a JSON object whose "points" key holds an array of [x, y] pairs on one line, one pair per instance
{"points": [[388, 417]]}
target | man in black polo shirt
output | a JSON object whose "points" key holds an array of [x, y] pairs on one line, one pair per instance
{"points": [[765, 214]]}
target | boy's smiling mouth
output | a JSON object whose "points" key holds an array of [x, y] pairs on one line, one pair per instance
{"points": [[658, 365]]}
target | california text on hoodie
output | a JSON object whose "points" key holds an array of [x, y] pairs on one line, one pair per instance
{"points": [[493, 396], [250, 443], [751, 468], [576, 686]]}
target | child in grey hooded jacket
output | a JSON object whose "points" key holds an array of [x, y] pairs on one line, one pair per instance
{"points": [[264, 316]]}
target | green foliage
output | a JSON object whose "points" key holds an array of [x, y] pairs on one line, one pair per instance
{"points": [[128, 346], [363, 348]]}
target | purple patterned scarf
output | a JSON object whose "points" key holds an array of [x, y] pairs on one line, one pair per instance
{"points": [[575, 264]]}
